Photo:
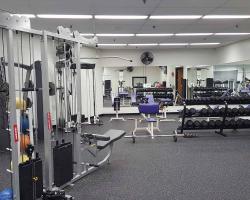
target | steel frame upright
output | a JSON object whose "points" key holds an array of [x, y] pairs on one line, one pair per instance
{"points": [[13, 125]]}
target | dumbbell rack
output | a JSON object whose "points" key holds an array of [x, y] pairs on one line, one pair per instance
{"points": [[156, 92], [218, 130], [208, 92]]}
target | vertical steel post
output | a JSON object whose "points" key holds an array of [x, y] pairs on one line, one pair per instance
{"points": [[77, 138], [14, 135], [48, 182]]}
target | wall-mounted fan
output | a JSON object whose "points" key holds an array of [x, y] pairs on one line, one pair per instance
{"points": [[147, 58], [130, 69]]}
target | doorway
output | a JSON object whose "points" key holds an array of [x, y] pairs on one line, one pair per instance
{"points": [[179, 80]]}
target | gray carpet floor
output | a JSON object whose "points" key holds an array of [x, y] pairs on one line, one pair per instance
{"points": [[209, 167]]}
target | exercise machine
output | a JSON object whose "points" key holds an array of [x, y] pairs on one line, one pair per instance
{"points": [[116, 106], [147, 110], [70, 151]]}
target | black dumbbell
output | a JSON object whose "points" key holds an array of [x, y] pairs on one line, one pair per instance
{"points": [[217, 112], [240, 123], [235, 112], [197, 125], [218, 100], [232, 124], [212, 100], [239, 100], [203, 112], [187, 101], [191, 111], [241, 111], [227, 124], [233, 99], [222, 111], [189, 124], [218, 123], [210, 111], [211, 124], [247, 123], [204, 124], [247, 111], [227, 98], [229, 112]]}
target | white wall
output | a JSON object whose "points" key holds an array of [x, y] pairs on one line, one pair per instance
{"points": [[162, 57], [236, 52]]}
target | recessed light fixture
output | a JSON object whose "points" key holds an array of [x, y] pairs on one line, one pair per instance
{"points": [[175, 16], [145, 44], [201, 44], [232, 33], [50, 16], [193, 34], [115, 45], [154, 34], [226, 17], [121, 16], [173, 44], [115, 34], [25, 15]]}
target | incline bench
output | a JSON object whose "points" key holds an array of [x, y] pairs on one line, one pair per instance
{"points": [[93, 144]]}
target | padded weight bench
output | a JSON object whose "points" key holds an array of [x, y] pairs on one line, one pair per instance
{"points": [[93, 144], [112, 135], [147, 109]]}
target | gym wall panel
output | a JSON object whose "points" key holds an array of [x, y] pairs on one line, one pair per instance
{"points": [[188, 56], [235, 52]]}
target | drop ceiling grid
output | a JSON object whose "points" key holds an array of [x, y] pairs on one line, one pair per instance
{"points": [[154, 7]]}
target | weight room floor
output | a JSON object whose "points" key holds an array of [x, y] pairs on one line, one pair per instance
{"points": [[209, 167]]}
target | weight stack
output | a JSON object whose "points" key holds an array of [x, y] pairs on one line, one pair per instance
{"points": [[116, 103], [63, 164], [31, 179]]}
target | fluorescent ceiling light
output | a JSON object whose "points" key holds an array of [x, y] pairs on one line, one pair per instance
{"points": [[65, 16], [149, 44], [193, 34], [115, 45], [154, 34], [232, 33], [115, 34], [87, 34], [175, 17], [25, 15], [173, 44], [201, 44], [226, 16], [121, 16]]}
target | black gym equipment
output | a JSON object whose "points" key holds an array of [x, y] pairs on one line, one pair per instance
{"points": [[63, 163], [218, 100], [191, 111], [189, 124], [31, 179], [197, 125], [225, 116], [203, 112], [204, 124], [211, 124]]}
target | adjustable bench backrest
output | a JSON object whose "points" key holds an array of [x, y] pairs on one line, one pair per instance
{"points": [[149, 108]]}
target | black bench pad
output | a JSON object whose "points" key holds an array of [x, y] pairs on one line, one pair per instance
{"points": [[114, 136]]}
